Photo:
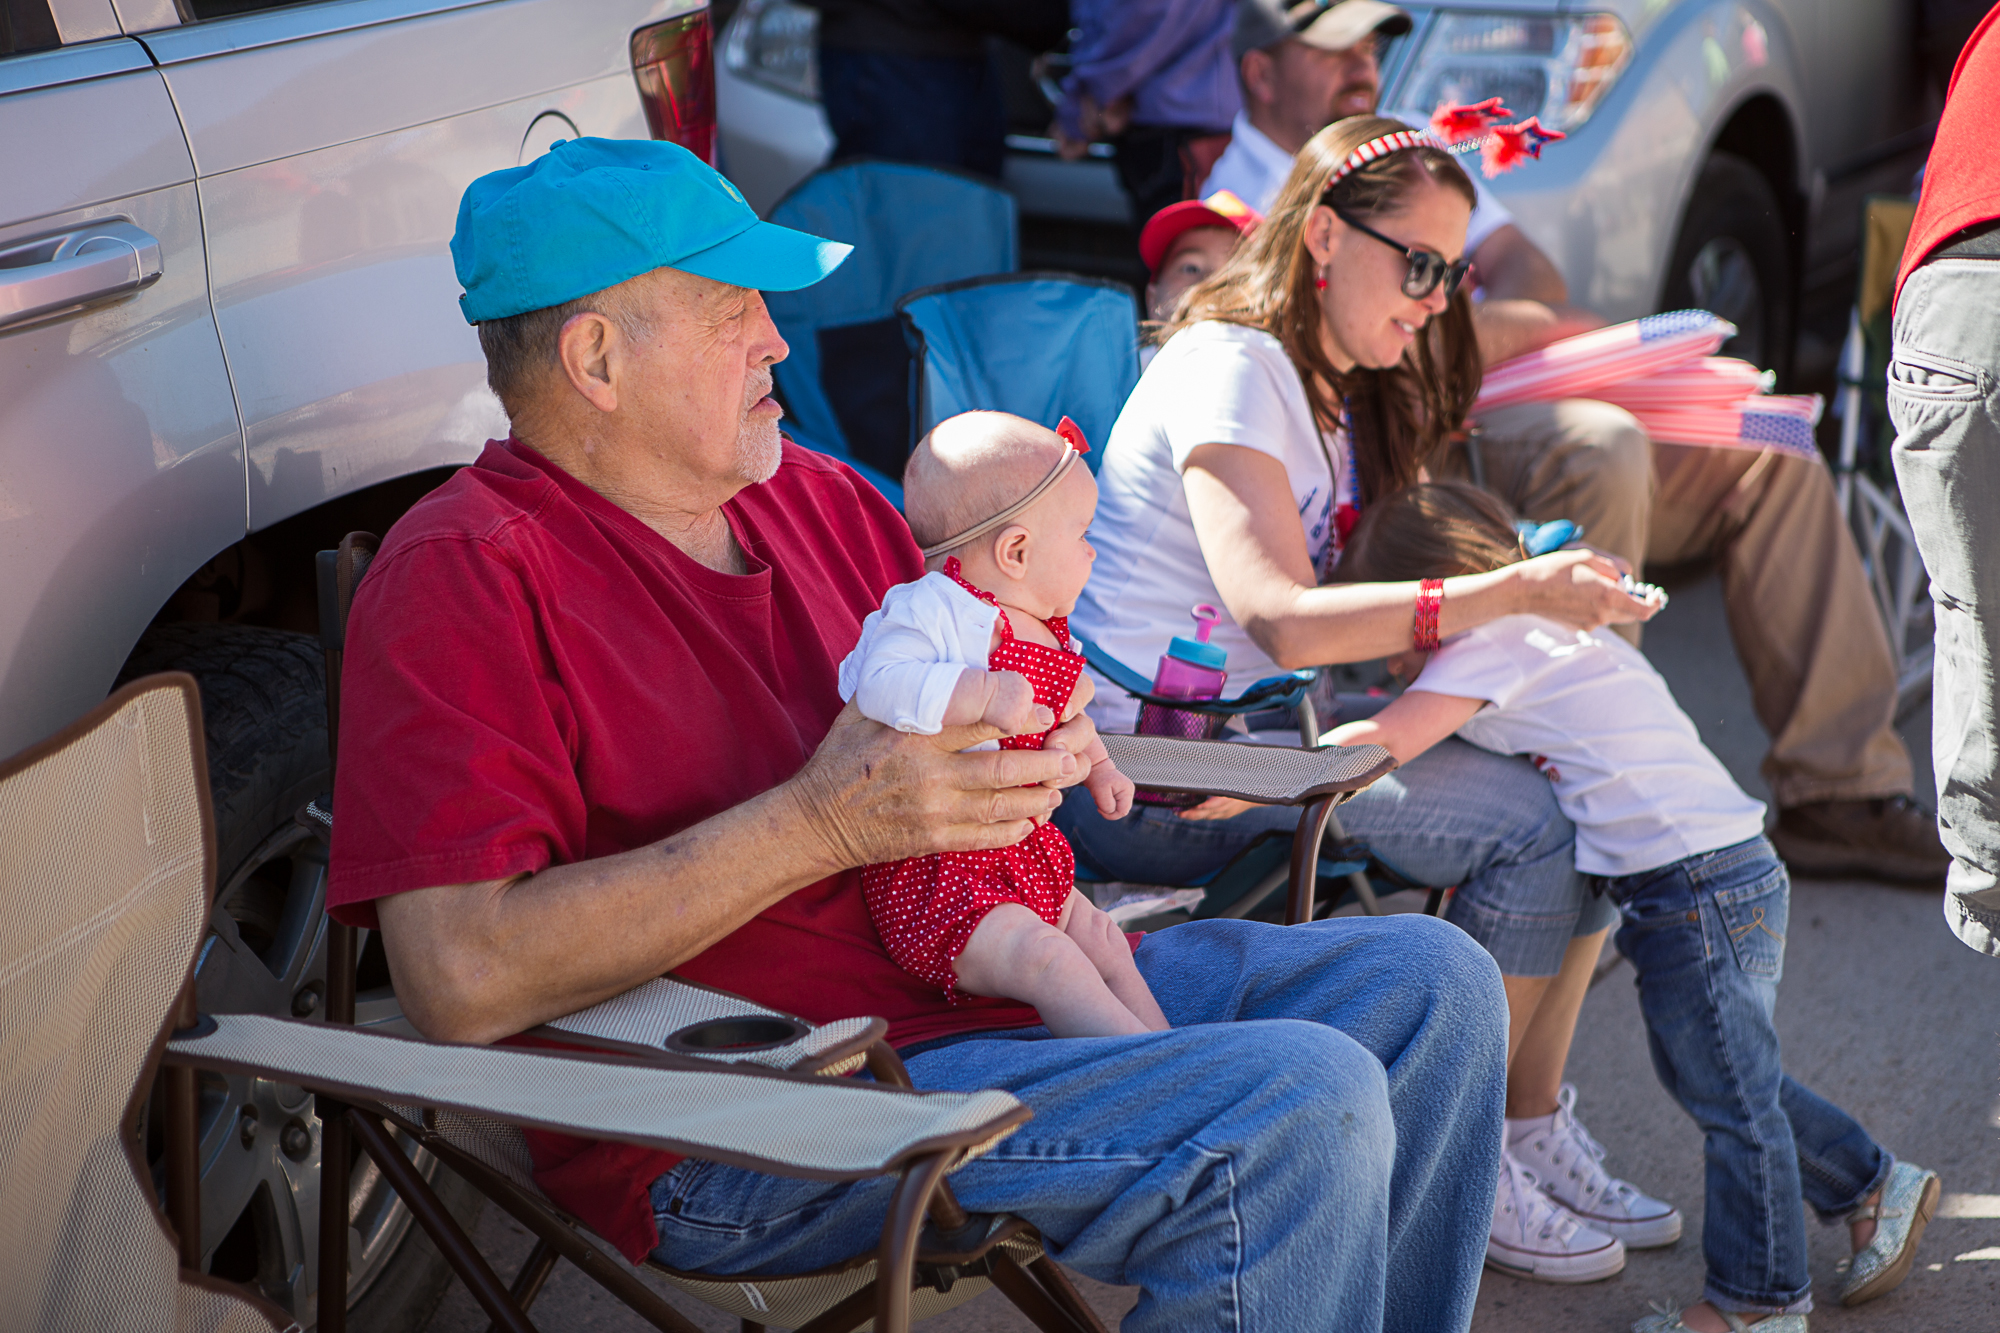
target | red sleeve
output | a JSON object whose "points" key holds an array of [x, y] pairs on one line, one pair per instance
{"points": [[456, 741]]}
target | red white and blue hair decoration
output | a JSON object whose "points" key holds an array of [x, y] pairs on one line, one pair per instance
{"points": [[1459, 130]]}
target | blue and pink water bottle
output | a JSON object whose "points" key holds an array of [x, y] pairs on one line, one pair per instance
{"points": [[1191, 669]]}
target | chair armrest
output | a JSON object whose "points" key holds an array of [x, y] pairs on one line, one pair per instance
{"points": [[1266, 774], [640, 1021], [779, 1123]]}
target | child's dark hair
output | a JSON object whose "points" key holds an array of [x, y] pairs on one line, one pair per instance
{"points": [[1432, 530]]}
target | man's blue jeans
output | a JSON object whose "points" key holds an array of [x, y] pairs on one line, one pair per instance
{"points": [[1312, 1147], [1707, 937]]}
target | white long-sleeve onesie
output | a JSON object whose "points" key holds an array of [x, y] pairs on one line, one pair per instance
{"points": [[913, 651]]}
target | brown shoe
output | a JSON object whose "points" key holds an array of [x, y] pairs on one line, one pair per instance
{"points": [[1890, 838]]}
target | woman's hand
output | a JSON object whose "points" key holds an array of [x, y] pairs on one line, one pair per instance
{"points": [[1581, 589], [1218, 807]]}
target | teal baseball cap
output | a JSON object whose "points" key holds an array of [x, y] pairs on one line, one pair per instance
{"points": [[591, 213]]}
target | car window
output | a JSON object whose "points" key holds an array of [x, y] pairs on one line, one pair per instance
{"points": [[222, 9], [26, 25]]}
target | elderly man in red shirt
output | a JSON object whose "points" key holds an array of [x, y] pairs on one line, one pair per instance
{"points": [[591, 733]]}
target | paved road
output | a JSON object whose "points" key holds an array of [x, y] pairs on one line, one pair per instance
{"points": [[1881, 1010]]}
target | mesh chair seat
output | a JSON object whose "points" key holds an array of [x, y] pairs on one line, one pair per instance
{"points": [[1267, 774]]}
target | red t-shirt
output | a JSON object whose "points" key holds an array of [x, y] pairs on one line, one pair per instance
{"points": [[534, 677], [1962, 179]]}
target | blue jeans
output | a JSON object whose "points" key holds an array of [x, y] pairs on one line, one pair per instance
{"points": [[1311, 1147], [1707, 938], [1454, 815], [934, 111]]}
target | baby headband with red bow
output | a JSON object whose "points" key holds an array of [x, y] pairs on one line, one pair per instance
{"points": [[1072, 435], [1458, 130]]}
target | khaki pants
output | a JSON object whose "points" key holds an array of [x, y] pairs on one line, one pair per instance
{"points": [[1822, 678]]}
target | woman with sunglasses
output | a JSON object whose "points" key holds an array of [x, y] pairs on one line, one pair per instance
{"points": [[1321, 368]]}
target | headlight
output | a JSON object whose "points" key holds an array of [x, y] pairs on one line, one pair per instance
{"points": [[772, 42], [1555, 68]]}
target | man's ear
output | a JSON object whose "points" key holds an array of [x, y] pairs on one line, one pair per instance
{"points": [[590, 348], [1258, 74]]}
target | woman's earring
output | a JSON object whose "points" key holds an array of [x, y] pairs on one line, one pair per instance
{"points": [[1319, 279]]}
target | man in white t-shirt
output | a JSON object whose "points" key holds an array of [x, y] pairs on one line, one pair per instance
{"points": [[1822, 677]]}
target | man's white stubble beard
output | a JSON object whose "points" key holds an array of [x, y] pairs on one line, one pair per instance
{"points": [[758, 449]]}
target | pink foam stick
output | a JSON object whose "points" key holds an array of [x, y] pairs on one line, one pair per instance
{"points": [[1581, 366], [1712, 381]]}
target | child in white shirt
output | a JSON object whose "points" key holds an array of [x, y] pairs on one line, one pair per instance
{"points": [[1667, 833], [1001, 506]]}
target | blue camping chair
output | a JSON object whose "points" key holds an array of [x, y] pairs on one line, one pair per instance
{"points": [[845, 384], [1040, 345]]}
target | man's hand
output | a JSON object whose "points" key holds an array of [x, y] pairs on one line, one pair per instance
{"points": [[1510, 328], [872, 794]]}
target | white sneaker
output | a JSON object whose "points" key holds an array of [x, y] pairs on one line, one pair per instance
{"points": [[1568, 1164], [1535, 1237]]}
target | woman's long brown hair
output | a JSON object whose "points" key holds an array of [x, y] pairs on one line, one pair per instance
{"points": [[1402, 415]]}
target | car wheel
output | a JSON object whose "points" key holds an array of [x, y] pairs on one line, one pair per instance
{"points": [[264, 717], [1730, 259]]}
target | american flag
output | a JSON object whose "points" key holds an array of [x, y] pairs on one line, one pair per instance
{"points": [[1663, 371]]}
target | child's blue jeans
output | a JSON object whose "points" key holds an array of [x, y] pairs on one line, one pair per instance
{"points": [[1707, 937]]}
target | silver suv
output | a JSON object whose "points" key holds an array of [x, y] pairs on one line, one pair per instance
{"points": [[229, 333]]}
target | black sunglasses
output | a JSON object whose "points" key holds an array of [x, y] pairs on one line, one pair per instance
{"points": [[1427, 269]]}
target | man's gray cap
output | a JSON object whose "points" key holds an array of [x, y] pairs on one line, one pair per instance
{"points": [[1331, 25]]}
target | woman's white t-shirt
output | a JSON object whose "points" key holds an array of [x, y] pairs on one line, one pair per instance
{"points": [[1213, 383], [1628, 766]]}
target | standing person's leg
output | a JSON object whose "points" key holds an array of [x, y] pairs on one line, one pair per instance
{"points": [[1944, 397], [1148, 158], [1578, 459], [1822, 678], [1249, 1172], [934, 111]]}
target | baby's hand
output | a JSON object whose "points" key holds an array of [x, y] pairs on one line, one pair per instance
{"points": [[1110, 788], [1079, 698], [1003, 699]]}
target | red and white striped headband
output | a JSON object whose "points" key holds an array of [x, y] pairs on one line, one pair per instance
{"points": [[1376, 149]]}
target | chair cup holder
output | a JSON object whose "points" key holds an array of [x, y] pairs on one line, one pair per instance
{"points": [[740, 1035]]}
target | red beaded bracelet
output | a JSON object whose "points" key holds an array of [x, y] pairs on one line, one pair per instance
{"points": [[1430, 601]]}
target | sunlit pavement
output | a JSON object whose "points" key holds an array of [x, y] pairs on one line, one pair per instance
{"points": [[1881, 1010]]}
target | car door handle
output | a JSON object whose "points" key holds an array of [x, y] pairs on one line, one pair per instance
{"points": [[77, 268]]}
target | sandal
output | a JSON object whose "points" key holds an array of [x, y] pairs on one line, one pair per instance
{"points": [[1908, 1199]]}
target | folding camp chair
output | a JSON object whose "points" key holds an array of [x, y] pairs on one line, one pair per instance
{"points": [[701, 1073], [845, 382], [1040, 345], [1864, 482], [104, 883]]}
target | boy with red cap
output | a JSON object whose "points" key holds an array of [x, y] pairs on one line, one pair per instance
{"points": [[1185, 242]]}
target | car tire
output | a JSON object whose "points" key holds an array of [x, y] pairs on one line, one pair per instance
{"points": [[1730, 258], [263, 705]]}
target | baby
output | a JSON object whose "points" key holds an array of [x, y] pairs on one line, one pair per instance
{"points": [[1001, 507]]}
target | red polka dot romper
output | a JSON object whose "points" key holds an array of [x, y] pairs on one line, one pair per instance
{"points": [[925, 908]]}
